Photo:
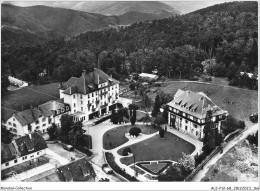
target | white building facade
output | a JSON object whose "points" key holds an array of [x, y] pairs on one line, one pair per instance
{"points": [[25, 148], [36, 119], [187, 113], [91, 95]]}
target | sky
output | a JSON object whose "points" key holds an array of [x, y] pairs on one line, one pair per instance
{"points": [[182, 6]]}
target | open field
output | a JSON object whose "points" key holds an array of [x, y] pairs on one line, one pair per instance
{"points": [[155, 148], [245, 101], [20, 99], [238, 164], [117, 137]]}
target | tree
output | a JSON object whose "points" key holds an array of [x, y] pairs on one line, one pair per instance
{"points": [[121, 113], [52, 131], [133, 120], [157, 105], [209, 140], [219, 70], [147, 119], [114, 117], [162, 133], [132, 87], [231, 124], [66, 122], [76, 134], [5, 83], [6, 135], [231, 71], [187, 162], [146, 101], [132, 107], [173, 173], [159, 119]]}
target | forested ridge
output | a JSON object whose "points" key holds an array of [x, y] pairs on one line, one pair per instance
{"points": [[176, 46]]}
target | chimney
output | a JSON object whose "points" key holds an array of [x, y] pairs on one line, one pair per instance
{"points": [[83, 72], [98, 79], [60, 84]]}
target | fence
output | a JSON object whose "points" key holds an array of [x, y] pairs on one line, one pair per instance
{"points": [[200, 166]]}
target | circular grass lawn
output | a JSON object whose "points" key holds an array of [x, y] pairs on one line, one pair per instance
{"points": [[155, 148], [116, 136]]}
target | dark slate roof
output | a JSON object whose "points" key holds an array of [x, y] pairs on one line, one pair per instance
{"points": [[30, 143], [8, 152], [28, 116], [87, 82], [195, 104], [32, 115], [47, 108], [77, 171], [6, 113], [22, 146]]}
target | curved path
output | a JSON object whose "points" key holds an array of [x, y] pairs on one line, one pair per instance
{"points": [[198, 146], [227, 147]]}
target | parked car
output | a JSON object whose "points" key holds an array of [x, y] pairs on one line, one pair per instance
{"points": [[104, 180], [254, 117], [68, 147], [107, 169]]}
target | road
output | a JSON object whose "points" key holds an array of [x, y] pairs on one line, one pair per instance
{"points": [[56, 152], [229, 146]]}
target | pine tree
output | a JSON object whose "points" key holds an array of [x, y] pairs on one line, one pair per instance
{"points": [[157, 105], [209, 140]]}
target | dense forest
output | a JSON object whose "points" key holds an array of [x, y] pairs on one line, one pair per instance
{"points": [[175, 46]]}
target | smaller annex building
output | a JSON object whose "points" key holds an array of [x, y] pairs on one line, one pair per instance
{"points": [[36, 119], [148, 76], [77, 171], [22, 149], [187, 112]]}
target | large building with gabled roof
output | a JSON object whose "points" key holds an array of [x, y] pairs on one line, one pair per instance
{"points": [[187, 112], [36, 118], [22, 149], [91, 95]]}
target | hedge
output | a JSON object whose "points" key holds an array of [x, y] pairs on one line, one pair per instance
{"points": [[117, 169]]}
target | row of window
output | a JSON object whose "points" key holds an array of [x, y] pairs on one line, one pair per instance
{"points": [[97, 92], [23, 158]]}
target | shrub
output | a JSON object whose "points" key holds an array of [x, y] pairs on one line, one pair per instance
{"points": [[253, 139], [117, 169], [161, 133], [104, 165], [126, 151], [199, 158], [231, 124], [135, 131], [84, 150]]}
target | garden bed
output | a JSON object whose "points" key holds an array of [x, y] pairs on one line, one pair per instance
{"points": [[154, 168]]}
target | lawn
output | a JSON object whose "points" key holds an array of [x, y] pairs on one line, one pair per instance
{"points": [[117, 137], [155, 148], [240, 164], [20, 99], [245, 101]]}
